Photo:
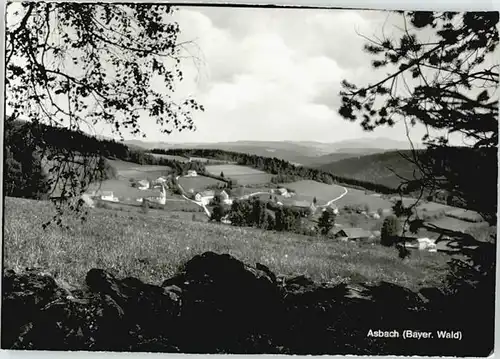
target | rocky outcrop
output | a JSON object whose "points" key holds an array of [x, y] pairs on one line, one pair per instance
{"points": [[217, 304]]}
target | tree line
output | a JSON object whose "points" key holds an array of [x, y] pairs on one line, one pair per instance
{"points": [[268, 215]]}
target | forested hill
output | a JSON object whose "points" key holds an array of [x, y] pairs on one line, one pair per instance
{"points": [[27, 171], [64, 138], [284, 170], [60, 138], [383, 168]]}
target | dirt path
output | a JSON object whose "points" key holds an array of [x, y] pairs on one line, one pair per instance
{"points": [[335, 199], [201, 204]]}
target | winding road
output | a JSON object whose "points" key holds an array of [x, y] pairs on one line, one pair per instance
{"points": [[201, 204], [335, 199]]}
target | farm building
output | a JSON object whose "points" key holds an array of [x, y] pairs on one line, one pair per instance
{"points": [[300, 204], [426, 244], [204, 196], [143, 184], [108, 196], [375, 215], [102, 195], [353, 234], [333, 208], [281, 191], [191, 173], [160, 180], [161, 199]]}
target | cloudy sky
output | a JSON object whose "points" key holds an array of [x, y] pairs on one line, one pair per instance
{"points": [[275, 74]]}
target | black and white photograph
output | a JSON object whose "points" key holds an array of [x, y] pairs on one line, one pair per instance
{"points": [[249, 179]]}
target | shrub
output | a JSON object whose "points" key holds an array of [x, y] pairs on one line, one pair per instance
{"points": [[326, 221], [102, 204], [353, 220], [144, 206], [390, 231]]}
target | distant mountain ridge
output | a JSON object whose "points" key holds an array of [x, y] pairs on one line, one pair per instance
{"points": [[307, 153]]}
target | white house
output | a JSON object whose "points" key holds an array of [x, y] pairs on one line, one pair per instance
{"points": [[108, 196], [375, 215], [205, 196], [333, 208], [191, 173], [282, 191], [143, 184], [160, 181], [426, 244]]}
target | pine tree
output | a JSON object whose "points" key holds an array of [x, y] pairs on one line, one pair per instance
{"points": [[326, 222], [391, 229]]}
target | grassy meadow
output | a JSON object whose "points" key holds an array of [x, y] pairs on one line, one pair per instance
{"points": [[308, 189], [152, 246], [130, 170], [198, 183]]}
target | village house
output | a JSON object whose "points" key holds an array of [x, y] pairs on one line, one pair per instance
{"points": [[191, 173], [353, 234], [332, 207], [143, 184], [161, 199], [160, 182], [102, 195], [204, 196], [281, 191]]}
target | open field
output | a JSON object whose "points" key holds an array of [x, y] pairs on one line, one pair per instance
{"points": [[306, 191], [198, 183], [169, 157], [135, 171], [358, 197], [152, 248], [242, 174]]}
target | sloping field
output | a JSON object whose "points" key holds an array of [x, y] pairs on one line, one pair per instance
{"points": [[135, 171], [198, 183], [153, 248], [355, 197], [242, 174], [307, 190]]}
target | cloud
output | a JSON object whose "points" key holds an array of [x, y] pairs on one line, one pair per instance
{"points": [[275, 74]]}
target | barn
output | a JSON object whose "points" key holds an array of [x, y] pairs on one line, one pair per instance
{"points": [[353, 234]]}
